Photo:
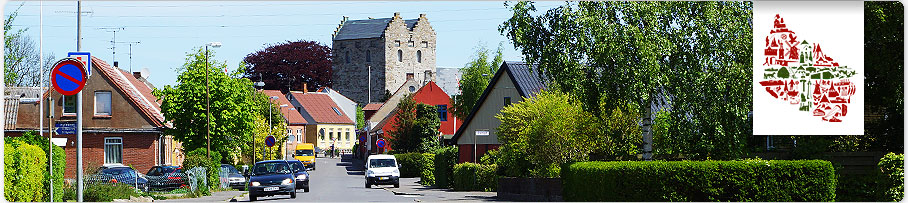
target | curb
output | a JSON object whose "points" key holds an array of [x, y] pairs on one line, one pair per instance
{"points": [[237, 198]]}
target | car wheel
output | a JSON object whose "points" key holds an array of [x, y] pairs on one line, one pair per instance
{"points": [[252, 197], [397, 185], [305, 189], [367, 184], [293, 194]]}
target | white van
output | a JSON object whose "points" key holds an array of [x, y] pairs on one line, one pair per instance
{"points": [[382, 169]]}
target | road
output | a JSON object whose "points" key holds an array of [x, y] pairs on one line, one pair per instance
{"points": [[338, 180]]}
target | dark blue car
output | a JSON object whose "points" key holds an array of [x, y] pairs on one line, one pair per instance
{"points": [[300, 174], [124, 175], [269, 178]]}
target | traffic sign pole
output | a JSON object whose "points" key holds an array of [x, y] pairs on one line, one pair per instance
{"points": [[81, 185]]}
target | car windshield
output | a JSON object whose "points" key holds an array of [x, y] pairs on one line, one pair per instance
{"points": [[117, 171], [304, 152], [378, 163], [297, 166], [271, 167], [229, 169]]}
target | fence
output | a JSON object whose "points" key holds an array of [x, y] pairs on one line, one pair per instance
{"points": [[191, 179]]}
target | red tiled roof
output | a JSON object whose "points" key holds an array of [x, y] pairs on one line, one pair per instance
{"points": [[290, 113], [372, 106], [136, 91], [321, 108]]}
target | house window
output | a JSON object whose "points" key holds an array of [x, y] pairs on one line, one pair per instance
{"points": [[347, 136], [321, 134], [289, 131], [397, 43], [347, 56], [102, 103], [425, 44], [331, 134], [337, 111], [400, 56], [419, 56], [113, 150], [769, 143], [69, 105], [299, 135], [410, 44], [442, 112], [507, 101], [368, 56]]}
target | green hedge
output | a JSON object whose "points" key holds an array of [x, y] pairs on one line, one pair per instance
{"points": [[445, 159], [475, 177], [59, 161], [108, 192], [892, 166], [199, 158], [25, 168], [702, 181], [427, 170], [411, 164]]}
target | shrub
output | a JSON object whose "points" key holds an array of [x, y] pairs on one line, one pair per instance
{"points": [[753, 180], [108, 192], [25, 168], [891, 165], [490, 157], [411, 164], [59, 161], [445, 159], [427, 169], [199, 158], [475, 177]]}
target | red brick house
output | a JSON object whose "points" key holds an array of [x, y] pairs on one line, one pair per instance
{"points": [[429, 94], [122, 122]]}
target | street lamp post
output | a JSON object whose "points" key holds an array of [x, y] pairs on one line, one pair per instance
{"points": [[208, 96], [260, 85]]}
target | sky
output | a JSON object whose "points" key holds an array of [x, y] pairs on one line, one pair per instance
{"points": [[163, 32]]}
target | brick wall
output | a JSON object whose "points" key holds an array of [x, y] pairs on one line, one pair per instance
{"points": [[138, 151]]}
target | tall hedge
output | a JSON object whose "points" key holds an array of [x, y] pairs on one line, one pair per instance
{"points": [[892, 167], [701, 181], [25, 168], [411, 164], [445, 159], [427, 170], [199, 158], [475, 177]]}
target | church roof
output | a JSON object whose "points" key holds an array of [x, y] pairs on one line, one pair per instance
{"points": [[366, 29]]}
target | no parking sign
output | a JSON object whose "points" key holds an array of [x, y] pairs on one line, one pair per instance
{"points": [[68, 76]]}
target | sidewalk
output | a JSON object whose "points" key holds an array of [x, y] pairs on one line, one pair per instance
{"points": [[215, 197], [411, 187]]}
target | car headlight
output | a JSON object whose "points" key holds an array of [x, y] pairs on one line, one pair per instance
{"points": [[287, 181], [255, 184], [370, 173], [396, 171], [302, 177]]}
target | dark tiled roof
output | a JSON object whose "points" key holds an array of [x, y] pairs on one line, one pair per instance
{"points": [[524, 77], [290, 113], [365, 29], [321, 108]]}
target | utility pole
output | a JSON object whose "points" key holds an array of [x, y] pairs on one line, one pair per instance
{"points": [[113, 43], [130, 52], [79, 177]]}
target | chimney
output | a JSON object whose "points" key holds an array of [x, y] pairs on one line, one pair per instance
{"points": [[305, 88], [116, 64], [137, 75], [422, 15], [397, 14]]}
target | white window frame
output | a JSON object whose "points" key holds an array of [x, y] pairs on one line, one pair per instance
{"points": [[109, 107], [75, 105], [108, 142], [299, 135]]}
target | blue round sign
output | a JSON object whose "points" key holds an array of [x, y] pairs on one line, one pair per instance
{"points": [[362, 139], [269, 141], [380, 143], [68, 76]]}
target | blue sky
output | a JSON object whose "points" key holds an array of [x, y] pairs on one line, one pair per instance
{"points": [[167, 30]]}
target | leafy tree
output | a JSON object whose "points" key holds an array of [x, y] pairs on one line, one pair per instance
{"points": [[475, 77], [539, 134], [21, 56], [360, 117], [415, 128], [261, 131], [697, 55], [233, 106], [286, 66]]}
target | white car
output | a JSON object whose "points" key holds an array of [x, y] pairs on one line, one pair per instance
{"points": [[382, 169]]}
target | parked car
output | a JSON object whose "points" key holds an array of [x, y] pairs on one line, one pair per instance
{"points": [[122, 174], [234, 178], [382, 169], [269, 178], [300, 174], [165, 177]]}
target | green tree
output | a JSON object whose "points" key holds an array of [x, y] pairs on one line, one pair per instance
{"points": [[416, 127], [475, 77], [360, 117], [697, 55], [233, 106]]}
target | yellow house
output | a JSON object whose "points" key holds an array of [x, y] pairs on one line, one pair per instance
{"points": [[328, 124]]}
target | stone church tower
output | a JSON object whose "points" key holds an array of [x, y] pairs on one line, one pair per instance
{"points": [[394, 48]]}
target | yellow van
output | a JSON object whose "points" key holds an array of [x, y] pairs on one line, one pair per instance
{"points": [[305, 153]]}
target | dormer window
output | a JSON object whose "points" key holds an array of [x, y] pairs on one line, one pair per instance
{"points": [[336, 111]]}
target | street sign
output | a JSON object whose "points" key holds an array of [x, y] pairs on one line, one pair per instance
{"points": [[68, 76], [380, 143], [84, 57], [362, 139], [269, 141], [65, 128]]}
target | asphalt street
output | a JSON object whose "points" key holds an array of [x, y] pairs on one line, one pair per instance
{"points": [[338, 180]]}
